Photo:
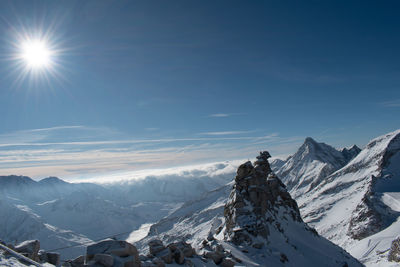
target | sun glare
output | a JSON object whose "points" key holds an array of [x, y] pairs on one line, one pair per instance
{"points": [[36, 54]]}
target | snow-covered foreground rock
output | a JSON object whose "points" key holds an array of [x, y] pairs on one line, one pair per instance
{"points": [[259, 224]]}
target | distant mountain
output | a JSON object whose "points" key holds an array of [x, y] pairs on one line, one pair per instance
{"points": [[61, 213], [312, 162], [258, 222], [19, 223]]}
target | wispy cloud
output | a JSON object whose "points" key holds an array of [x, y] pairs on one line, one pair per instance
{"points": [[226, 133], [152, 129], [39, 156], [223, 115], [55, 128], [220, 115], [391, 103]]}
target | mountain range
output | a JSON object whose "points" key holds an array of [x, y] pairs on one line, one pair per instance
{"points": [[350, 196]]}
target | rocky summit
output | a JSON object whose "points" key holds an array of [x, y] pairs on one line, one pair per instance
{"points": [[258, 197]]}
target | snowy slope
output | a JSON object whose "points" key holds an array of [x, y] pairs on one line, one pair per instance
{"points": [[312, 162], [355, 202], [289, 241], [373, 250], [60, 214], [193, 221], [18, 223]]}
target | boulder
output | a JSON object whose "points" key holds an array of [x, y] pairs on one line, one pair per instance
{"points": [[227, 263], [42, 256], [104, 259], [186, 248], [30, 248], [165, 255], [179, 257], [50, 257], [77, 262], [92, 263], [156, 246], [53, 258], [130, 261], [158, 262], [217, 257], [121, 249]]}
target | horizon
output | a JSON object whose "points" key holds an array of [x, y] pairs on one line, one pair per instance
{"points": [[118, 175], [100, 88]]}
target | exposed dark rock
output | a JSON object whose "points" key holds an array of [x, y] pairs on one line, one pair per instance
{"points": [[29, 248], [104, 259], [227, 263], [156, 246], [50, 257], [216, 256], [394, 252], [350, 153], [365, 220], [254, 201]]}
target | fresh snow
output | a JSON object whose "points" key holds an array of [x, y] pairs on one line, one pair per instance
{"points": [[331, 203], [61, 214]]}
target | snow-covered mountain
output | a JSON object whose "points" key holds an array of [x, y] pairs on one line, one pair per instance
{"points": [[61, 214], [258, 222], [355, 205], [352, 198], [18, 223], [312, 162]]}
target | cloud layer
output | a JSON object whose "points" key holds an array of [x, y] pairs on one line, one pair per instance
{"points": [[79, 152]]}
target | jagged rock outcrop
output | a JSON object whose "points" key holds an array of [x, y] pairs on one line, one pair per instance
{"points": [[350, 153], [258, 197], [394, 252]]}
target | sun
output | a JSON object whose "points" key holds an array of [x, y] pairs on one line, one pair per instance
{"points": [[36, 54]]}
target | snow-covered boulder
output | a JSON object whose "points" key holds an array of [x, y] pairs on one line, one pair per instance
{"points": [[29, 248], [124, 254], [50, 257]]}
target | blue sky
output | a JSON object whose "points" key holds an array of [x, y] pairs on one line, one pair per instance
{"points": [[153, 84]]}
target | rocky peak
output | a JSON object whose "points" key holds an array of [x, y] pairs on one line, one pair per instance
{"points": [[350, 153], [310, 141], [257, 197]]}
